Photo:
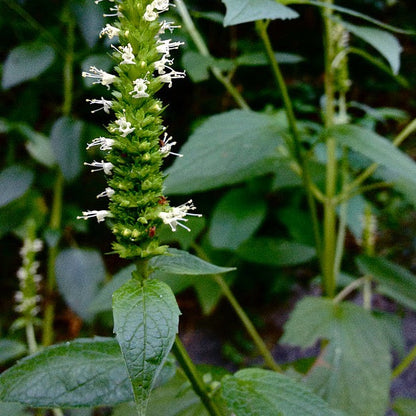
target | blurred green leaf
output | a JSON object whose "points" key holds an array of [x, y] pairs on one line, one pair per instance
{"points": [[404, 406], [146, 318], [13, 409], [243, 11], [353, 372], [26, 62], [274, 252], [78, 275], [90, 20], [196, 65], [394, 281], [10, 349], [260, 59], [14, 182], [235, 218], [65, 141], [227, 148], [298, 223]]}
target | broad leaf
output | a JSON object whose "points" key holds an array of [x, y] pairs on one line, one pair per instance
{"points": [[256, 392], [78, 275], [26, 62], [376, 148], [90, 20], [394, 281], [196, 66], [13, 409], [243, 11], [353, 372], [10, 349], [404, 406], [273, 252], [65, 141], [227, 148], [84, 372], [14, 182], [146, 319], [235, 219], [181, 262], [384, 42]]}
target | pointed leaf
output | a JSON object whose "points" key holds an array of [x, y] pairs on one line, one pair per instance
{"points": [[404, 406], [376, 148], [39, 146], [26, 62], [235, 219], [243, 11], [256, 392], [65, 141], [10, 349], [384, 42], [394, 281], [181, 262], [353, 373], [227, 148], [14, 182], [146, 319]]}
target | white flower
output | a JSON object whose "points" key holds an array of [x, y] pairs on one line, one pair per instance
{"points": [[165, 46], [103, 142], [167, 26], [124, 126], [110, 31], [100, 215], [105, 105], [166, 145], [161, 5], [140, 87], [126, 54], [150, 15], [162, 64], [167, 78], [31, 246], [109, 192], [116, 14], [102, 77], [175, 215], [106, 167]]}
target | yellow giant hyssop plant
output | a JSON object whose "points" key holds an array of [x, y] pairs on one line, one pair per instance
{"points": [[323, 162]]}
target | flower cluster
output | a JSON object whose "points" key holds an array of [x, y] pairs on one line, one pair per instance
{"points": [[137, 141]]}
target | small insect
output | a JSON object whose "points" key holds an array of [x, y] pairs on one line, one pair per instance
{"points": [[162, 200], [152, 231]]}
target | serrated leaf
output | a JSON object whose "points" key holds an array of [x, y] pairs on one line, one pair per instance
{"points": [[394, 281], [256, 392], [84, 372], [65, 141], [384, 42], [405, 406], [14, 182], [181, 262], [274, 252], [26, 62], [353, 372], [146, 319], [78, 275], [235, 218], [226, 149], [376, 148], [243, 11], [10, 349]]}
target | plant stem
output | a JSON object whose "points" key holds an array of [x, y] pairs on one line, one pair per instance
{"points": [[404, 364], [245, 320], [30, 338], [329, 249], [192, 373], [261, 27], [349, 289], [203, 50]]}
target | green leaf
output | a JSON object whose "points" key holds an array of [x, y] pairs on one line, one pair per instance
{"points": [[10, 349], [85, 372], [256, 392], [261, 59], [90, 20], [273, 252], [26, 62], [196, 66], [78, 275], [353, 372], [14, 182], [404, 406], [13, 409], [65, 141], [226, 149], [146, 319], [376, 148], [181, 262], [243, 11], [381, 40], [235, 219], [394, 281]]}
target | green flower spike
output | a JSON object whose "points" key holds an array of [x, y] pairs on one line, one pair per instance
{"points": [[137, 141]]}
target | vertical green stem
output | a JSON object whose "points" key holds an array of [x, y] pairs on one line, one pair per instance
{"points": [[329, 243], [192, 373], [30, 337]]}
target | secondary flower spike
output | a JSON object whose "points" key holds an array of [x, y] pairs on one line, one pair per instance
{"points": [[136, 142]]}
